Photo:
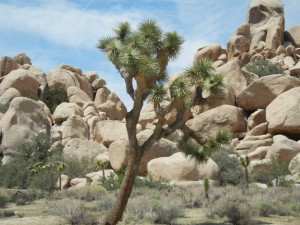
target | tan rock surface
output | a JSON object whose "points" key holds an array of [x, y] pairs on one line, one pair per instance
{"points": [[66, 110], [24, 118], [264, 90], [79, 149], [283, 150], [282, 113], [22, 80], [207, 124], [177, 167]]}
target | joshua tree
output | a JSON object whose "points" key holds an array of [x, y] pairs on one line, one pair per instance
{"points": [[102, 164], [206, 186], [245, 161], [141, 58]]}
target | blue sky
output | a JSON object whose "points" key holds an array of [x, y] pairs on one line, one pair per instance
{"points": [[52, 32]]}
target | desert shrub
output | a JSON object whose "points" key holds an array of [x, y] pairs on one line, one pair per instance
{"points": [[7, 213], [266, 208], [78, 168], [20, 202], [231, 203], [36, 150], [4, 199], [149, 182], [54, 95], [231, 171], [104, 202], [168, 211], [295, 207], [238, 213], [263, 68], [72, 211], [277, 174], [192, 197], [21, 196], [155, 207]]}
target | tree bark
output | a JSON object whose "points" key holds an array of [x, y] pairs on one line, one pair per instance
{"points": [[115, 214]]}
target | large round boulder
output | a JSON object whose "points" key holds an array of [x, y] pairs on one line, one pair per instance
{"points": [[212, 52], [292, 35], [113, 107], [78, 96], [7, 64], [7, 96], [69, 76], [178, 167], [22, 80], [80, 149], [207, 124], [24, 119], [264, 90], [74, 127], [233, 76], [108, 131], [65, 110], [22, 59], [283, 149], [118, 155], [282, 113]]}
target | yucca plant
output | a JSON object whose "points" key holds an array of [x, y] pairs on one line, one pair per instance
{"points": [[141, 56], [206, 186], [245, 161]]}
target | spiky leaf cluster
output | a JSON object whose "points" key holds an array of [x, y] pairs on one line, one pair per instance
{"points": [[200, 152], [142, 54], [203, 76]]}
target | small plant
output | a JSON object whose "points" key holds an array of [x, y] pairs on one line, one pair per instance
{"points": [[231, 171], [73, 211], [263, 68], [54, 95], [20, 202], [266, 209], [238, 214], [245, 161], [7, 213], [276, 175], [3, 200], [206, 186], [102, 164]]}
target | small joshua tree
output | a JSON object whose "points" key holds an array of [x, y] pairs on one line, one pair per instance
{"points": [[102, 164], [245, 161], [206, 186]]}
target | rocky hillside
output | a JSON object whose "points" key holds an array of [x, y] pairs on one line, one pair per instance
{"points": [[262, 112]]}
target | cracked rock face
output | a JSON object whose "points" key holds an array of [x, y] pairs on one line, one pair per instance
{"points": [[266, 19]]}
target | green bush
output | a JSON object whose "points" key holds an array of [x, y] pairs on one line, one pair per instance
{"points": [[238, 213], [16, 174], [263, 68], [155, 207], [276, 175], [266, 208], [72, 211], [78, 168], [7, 213], [4, 198], [20, 202], [231, 171], [54, 95]]}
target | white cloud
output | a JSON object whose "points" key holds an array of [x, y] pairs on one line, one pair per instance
{"points": [[63, 22]]}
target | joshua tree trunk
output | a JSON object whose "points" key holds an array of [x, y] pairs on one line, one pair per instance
{"points": [[247, 178], [116, 212]]}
